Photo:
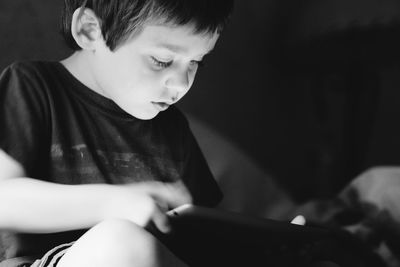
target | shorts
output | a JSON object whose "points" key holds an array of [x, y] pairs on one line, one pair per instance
{"points": [[50, 259], [53, 256]]}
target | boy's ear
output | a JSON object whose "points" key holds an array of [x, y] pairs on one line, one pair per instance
{"points": [[85, 28]]}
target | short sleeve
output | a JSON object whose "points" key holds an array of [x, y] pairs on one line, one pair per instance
{"points": [[197, 175], [22, 118]]}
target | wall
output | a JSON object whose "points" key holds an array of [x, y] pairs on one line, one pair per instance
{"points": [[29, 30]]}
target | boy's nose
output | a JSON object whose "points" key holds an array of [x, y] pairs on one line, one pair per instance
{"points": [[178, 81]]}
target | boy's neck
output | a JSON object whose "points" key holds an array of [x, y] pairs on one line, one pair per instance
{"points": [[78, 64]]}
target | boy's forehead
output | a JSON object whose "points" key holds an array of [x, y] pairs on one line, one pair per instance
{"points": [[178, 39]]}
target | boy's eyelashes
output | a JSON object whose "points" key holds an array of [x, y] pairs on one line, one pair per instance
{"points": [[165, 64], [161, 64]]}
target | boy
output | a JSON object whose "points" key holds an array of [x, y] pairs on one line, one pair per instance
{"points": [[94, 141]]}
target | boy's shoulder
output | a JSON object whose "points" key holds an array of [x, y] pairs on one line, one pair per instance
{"points": [[29, 69], [30, 82], [28, 65]]}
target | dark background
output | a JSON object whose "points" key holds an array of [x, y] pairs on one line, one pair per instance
{"points": [[309, 89]]}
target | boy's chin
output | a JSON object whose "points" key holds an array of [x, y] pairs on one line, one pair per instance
{"points": [[143, 112], [144, 116]]}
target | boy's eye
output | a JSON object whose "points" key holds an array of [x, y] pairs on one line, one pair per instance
{"points": [[160, 64]]}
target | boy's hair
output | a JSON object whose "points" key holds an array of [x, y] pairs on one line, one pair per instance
{"points": [[121, 19]]}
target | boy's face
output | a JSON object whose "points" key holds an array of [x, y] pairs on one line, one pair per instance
{"points": [[151, 71]]}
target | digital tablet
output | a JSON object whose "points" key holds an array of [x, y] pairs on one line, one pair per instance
{"points": [[242, 228], [211, 237]]}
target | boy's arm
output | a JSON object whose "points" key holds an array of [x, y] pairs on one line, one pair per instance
{"points": [[34, 206]]}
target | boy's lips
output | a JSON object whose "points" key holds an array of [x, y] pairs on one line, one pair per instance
{"points": [[161, 106]]}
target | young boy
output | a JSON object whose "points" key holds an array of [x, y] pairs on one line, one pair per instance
{"points": [[94, 141]]}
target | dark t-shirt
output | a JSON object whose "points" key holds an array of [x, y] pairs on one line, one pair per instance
{"points": [[63, 132]]}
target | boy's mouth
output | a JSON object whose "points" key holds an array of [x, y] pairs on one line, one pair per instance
{"points": [[161, 106]]}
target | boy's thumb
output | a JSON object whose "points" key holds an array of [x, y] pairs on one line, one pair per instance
{"points": [[299, 220]]}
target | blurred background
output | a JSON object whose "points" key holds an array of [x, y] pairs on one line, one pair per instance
{"points": [[310, 90]]}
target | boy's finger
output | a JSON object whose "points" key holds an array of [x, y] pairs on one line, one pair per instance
{"points": [[173, 194], [299, 220], [161, 221]]}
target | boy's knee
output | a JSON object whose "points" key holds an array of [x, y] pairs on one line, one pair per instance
{"points": [[116, 229], [114, 242], [118, 236]]}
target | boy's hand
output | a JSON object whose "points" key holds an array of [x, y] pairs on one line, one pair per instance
{"points": [[146, 202]]}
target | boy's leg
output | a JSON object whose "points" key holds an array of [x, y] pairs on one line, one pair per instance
{"points": [[118, 243]]}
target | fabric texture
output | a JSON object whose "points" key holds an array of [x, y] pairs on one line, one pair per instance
{"points": [[53, 256], [368, 208], [63, 132]]}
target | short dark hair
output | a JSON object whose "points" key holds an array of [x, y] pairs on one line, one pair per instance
{"points": [[120, 19]]}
